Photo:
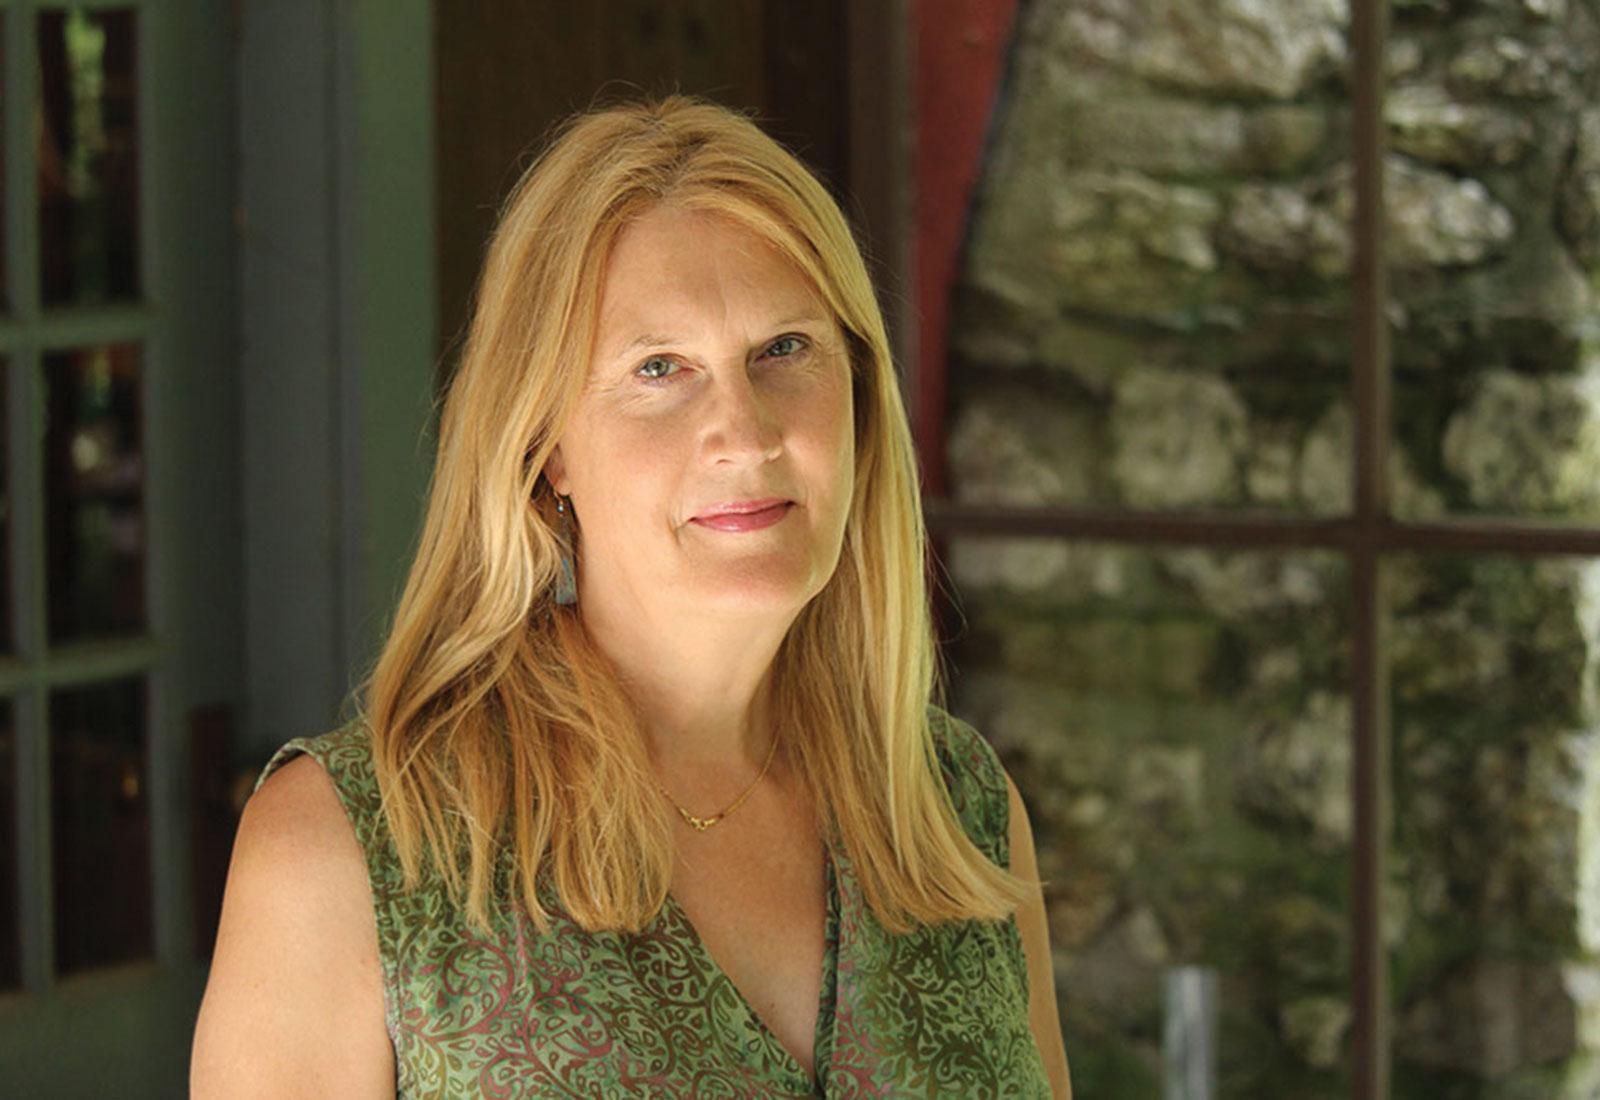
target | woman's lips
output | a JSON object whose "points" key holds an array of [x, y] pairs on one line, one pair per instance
{"points": [[745, 521]]}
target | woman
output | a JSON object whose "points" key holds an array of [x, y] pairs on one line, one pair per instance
{"points": [[649, 795]]}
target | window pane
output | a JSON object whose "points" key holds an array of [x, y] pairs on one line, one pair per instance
{"points": [[87, 156], [1493, 255], [94, 467], [10, 944], [6, 608], [1495, 906], [1178, 723], [1153, 305], [100, 814], [5, 248]]}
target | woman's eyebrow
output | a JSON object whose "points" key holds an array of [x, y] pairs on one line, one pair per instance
{"points": [[650, 339]]}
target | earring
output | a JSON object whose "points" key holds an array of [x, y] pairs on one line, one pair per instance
{"points": [[566, 583]]}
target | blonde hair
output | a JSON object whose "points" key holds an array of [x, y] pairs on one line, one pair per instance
{"points": [[495, 723]]}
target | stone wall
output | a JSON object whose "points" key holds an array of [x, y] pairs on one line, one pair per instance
{"points": [[1153, 312]]}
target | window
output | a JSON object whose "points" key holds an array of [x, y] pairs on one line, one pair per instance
{"points": [[1271, 507]]}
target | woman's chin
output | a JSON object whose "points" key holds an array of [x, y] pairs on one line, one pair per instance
{"points": [[752, 592]]}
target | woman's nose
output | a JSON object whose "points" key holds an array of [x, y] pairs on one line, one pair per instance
{"points": [[744, 423]]}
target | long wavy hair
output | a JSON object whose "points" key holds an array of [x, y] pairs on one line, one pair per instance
{"points": [[499, 731]]}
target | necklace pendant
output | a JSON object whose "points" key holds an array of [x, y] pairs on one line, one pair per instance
{"points": [[701, 824]]}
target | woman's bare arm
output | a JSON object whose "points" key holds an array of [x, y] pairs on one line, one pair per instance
{"points": [[1042, 1012], [294, 1003]]}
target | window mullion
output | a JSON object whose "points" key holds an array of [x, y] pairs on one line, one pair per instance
{"points": [[1369, 781]]}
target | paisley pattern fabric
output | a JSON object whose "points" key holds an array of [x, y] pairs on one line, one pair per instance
{"points": [[940, 1011]]}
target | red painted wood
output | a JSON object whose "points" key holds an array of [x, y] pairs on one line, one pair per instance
{"points": [[959, 53]]}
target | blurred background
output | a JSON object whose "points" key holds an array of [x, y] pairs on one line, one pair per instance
{"points": [[1253, 353]]}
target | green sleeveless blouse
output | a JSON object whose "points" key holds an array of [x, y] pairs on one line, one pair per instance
{"points": [[939, 1011]]}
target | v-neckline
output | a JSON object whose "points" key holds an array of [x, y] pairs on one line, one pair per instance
{"points": [[822, 1029]]}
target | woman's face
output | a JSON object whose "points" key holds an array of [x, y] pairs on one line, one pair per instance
{"points": [[717, 378]]}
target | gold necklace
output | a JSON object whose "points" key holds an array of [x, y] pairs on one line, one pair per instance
{"points": [[701, 824]]}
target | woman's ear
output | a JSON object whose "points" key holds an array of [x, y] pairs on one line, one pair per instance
{"points": [[555, 471]]}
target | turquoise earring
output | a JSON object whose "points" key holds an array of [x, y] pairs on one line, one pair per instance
{"points": [[566, 583]]}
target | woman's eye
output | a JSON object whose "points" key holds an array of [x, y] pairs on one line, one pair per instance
{"points": [[658, 368], [655, 360]]}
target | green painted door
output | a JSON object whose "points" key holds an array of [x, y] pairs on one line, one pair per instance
{"points": [[119, 558]]}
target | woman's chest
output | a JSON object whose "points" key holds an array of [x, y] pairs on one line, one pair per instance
{"points": [[763, 924], [652, 1013]]}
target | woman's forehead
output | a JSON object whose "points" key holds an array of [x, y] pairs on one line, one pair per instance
{"points": [[688, 271], [677, 248]]}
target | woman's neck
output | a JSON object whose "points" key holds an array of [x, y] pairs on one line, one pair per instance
{"points": [[702, 685]]}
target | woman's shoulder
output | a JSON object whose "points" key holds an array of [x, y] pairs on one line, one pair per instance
{"points": [[298, 818], [976, 781], [295, 989], [344, 755], [348, 748]]}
